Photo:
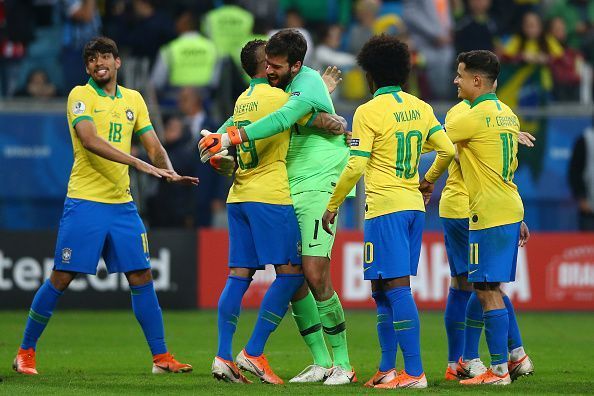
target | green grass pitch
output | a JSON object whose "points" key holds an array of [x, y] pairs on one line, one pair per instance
{"points": [[104, 352]]}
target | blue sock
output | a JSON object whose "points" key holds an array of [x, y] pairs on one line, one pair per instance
{"points": [[274, 306], [406, 324], [454, 318], [229, 308], [42, 307], [496, 328], [148, 313], [474, 328], [385, 332], [514, 338]]}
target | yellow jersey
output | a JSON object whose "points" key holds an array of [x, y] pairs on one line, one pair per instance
{"points": [[116, 118], [487, 139], [454, 197], [390, 130], [262, 173]]}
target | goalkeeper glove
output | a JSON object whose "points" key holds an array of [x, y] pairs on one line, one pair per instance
{"points": [[214, 143]]}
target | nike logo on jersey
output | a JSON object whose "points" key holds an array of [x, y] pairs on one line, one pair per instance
{"points": [[472, 272], [97, 111], [314, 245]]}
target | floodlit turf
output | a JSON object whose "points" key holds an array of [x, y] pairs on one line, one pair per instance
{"points": [[105, 353]]}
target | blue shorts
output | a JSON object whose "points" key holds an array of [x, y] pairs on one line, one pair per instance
{"points": [[392, 245], [261, 234], [455, 235], [90, 230], [493, 253]]}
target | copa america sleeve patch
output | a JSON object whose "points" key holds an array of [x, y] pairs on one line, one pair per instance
{"points": [[78, 108], [354, 142]]}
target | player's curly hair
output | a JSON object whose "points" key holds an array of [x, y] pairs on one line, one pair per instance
{"points": [[481, 61], [249, 61], [101, 45], [386, 59], [287, 42]]}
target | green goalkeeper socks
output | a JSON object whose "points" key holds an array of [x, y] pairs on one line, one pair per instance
{"points": [[332, 318], [305, 313]]}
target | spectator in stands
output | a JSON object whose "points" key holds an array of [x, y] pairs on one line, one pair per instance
{"points": [[144, 30], [172, 205], [229, 27], [320, 12], [581, 178], [188, 60], [195, 117], [476, 30], [578, 16], [429, 23], [327, 53], [82, 23], [38, 86], [566, 68], [366, 12]]}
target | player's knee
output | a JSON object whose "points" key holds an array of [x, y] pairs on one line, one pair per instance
{"points": [[321, 286], [460, 282], [486, 286], [242, 272], [60, 279], [139, 278]]}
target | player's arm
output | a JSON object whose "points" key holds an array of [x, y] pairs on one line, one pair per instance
{"points": [[87, 134], [361, 146], [445, 154], [159, 158]]}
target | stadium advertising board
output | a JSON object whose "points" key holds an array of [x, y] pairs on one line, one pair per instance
{"points": [[26, 259], [554, 272]]}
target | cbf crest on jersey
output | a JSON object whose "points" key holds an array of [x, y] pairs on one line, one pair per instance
{"points": [[78, 108], [66, 255], [129, 114]]}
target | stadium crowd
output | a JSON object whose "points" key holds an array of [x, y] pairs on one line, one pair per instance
{"points": [[184, 57]]}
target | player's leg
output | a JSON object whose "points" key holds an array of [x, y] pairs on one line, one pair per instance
{"points": [[306, 316], [316, 249], [386, 335], [397, 252], [519, 363], [81, 235], [493, 255], [126, 250], [456, 243], [243, 263], [279, 248]]}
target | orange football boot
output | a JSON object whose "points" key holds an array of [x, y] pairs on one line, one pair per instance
{"points": [[24, 362], [381, 377], [227, 371], [488, 378], [404, 380], [259, 366], [165, 363], [451, 374], [520, 368]]}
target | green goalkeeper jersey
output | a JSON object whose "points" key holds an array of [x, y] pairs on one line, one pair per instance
{"points": [[315, 159]]}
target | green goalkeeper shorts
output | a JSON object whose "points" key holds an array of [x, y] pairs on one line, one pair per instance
{"points": [[309, 208]]}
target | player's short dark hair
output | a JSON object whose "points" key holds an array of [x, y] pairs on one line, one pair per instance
{"points": [[101, 45], [481, 61], [386, 59], [287, 42], [249, 61]]}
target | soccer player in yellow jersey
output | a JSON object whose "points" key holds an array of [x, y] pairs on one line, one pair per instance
{"points": [[388, 134], [487, 141], [100, 218], [464, 314]]}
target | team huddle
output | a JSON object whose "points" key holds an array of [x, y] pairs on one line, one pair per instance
{"points": [[297, 163]]}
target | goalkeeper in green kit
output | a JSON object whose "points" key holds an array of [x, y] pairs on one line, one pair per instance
{"points": [[315, 161]]}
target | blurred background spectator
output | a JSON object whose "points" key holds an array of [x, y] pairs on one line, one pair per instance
{"points": [[38, 86], [566, 69], [476, 29], [581, 178], [327, 53]]}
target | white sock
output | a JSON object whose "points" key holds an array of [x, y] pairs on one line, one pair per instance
{"points": [[517, 354], [499, 369], [453, 365]]}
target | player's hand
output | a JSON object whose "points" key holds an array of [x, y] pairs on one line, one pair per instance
{"points": [[211, 144], [332, 77], [149, 169], [426, 189], [524, 235], [526, 139], [348, 138], [183, 180], [328, 219], [223, 163]]}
